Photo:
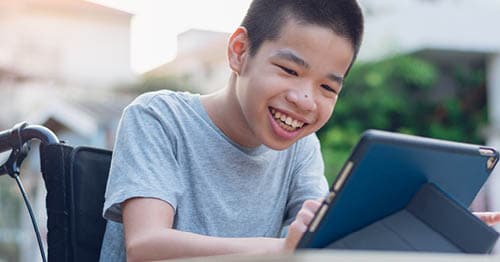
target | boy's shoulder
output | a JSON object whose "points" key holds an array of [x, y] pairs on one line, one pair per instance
{"points": [[163, 96], [305, 147], [164, 106]]}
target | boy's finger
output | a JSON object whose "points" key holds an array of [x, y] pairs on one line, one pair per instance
{"points": [[490, 218], [305, 216], [312, 205]]}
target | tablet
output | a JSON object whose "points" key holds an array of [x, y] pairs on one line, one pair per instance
{"points": [[384, 172]]}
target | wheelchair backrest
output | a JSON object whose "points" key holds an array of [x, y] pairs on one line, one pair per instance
{"points": [[75, 179]]}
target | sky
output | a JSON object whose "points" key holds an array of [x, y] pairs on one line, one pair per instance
{"points": [[156, 24]]}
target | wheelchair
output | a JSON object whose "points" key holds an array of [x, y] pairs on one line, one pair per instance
{"points": [[75, 179]]}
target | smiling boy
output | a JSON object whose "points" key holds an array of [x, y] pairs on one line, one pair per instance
{"points": [[233, 171]]}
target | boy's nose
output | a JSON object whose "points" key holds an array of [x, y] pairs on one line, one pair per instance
{"points": [[303, 98]]}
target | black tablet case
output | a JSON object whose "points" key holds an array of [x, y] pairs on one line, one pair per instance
{"points": [[402, 183], [431, 222]]}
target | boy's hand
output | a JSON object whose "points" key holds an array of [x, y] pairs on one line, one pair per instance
{"points": [[490, 218], [302, 221]]}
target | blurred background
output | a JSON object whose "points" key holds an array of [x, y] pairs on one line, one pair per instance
{"points": [[427, 67]]}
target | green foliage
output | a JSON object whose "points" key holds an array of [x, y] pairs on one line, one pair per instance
{"points": [[405, 94], [10, 203]]}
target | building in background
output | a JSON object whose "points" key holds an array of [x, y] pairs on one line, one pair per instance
{"points": [[59, 63], [70, 41], [53, 51], [200, 58]]}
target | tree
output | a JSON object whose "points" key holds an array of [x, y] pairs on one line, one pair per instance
{"points": [[408, 95]]}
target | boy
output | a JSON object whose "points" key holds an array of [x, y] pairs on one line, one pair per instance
{"points": [[228, 172]]}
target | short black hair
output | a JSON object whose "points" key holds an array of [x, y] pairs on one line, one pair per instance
{"points": [[265, 18]]}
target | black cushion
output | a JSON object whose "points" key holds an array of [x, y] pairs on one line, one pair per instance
{"points": [[75, 179], [88, 178]]}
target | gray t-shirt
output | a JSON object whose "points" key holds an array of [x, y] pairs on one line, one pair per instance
{"points": [[168, 148]]}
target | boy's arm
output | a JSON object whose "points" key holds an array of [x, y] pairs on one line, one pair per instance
{"points": [[149, 234]]}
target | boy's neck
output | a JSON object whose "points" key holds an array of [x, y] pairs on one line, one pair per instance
{"points": [[224, 111]]}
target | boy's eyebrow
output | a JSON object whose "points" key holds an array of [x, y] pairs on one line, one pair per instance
{"points": [[336, 78], [290, 56]]}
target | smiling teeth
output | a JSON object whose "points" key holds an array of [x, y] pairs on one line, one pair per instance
{"points": [[284, 119]]}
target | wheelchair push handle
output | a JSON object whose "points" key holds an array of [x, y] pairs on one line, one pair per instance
{"points": [[6, 140], [15, 139], [22, 133]]}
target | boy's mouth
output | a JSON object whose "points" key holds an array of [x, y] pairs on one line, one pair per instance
{"points": [[286, 122]]}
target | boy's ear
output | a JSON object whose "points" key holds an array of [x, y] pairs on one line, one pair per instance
{"points": [[238, 49]]}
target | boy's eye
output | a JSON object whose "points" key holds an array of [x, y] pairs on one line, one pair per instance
{"points": [[328, 88], [288, 71]]}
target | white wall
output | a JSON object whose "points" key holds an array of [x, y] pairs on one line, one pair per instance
{"points": [[404, 25], [70, 47]]}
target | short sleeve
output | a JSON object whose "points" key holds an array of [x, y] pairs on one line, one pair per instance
{"points": [[144, 163], [308, 180]]}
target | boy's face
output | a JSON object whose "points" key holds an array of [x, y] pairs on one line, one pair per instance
{"points": [[289, 88]]}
